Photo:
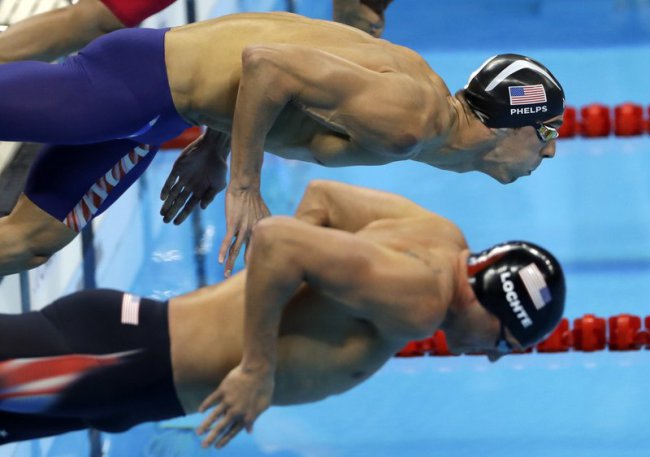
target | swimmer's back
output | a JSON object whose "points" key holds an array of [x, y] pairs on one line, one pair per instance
{"points": [[204, 60], [278, 27]]}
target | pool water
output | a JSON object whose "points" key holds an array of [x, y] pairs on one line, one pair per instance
{"points": [[590, 205]]}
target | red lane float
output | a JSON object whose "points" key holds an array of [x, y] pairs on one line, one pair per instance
{"points": [[440, 346], [628, 120], [589, 333], [561, 340], [623, 332], [598, 120], [569, 126], [595, 121]]}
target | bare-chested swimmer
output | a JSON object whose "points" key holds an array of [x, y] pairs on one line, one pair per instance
{"points": [[291, 328], [299, 88]]}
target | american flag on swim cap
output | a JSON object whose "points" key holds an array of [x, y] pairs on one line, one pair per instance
{"points": [[536, 286], [527, 95]]}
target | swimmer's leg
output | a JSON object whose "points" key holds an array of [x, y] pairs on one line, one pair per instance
{"points": [[20, 427], [58, 103], [115, 87], [23, 336], [66, 188], [100, 356], [29, 236]]}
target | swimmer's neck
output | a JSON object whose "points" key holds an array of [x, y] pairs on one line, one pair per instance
{"points": [[461, 144]]}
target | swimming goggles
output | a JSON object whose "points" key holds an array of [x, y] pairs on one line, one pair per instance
{"points": [[548, 132]]}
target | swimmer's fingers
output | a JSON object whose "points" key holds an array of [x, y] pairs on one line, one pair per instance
{"points": [[232, 228], [224, 431], [244, 208], [187, 210], [233, 253], [169, 183], [229, 433], [216, 413], [178, 204], [225, 246], [172, 196], [214, 398], [209, 196], [247, 252]]}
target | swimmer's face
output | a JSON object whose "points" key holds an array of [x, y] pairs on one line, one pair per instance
{"points": [[519, 152]]}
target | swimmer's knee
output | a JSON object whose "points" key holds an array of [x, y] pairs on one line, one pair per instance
{"points": [[39, 250], [28, 244], [17, 254]]}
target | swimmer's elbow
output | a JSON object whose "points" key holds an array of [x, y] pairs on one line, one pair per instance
{"points": [[258, 57], [262, 70]]}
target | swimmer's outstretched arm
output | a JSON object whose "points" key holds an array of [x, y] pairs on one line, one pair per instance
{"points": [[403, 297], [350, 208], [56, 33], [384, 112]]}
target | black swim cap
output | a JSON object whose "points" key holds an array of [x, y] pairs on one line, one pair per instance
{"points": [[523, 285], [510, 91]]}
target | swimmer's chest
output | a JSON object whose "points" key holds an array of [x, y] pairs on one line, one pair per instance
{"points": [[323, 351], [298, 136]]}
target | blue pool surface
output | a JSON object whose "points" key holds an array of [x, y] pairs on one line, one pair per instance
{"points": [[590, 205]]}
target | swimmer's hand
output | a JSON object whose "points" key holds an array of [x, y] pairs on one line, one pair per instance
{"points": [[242, 396], [197, 176], [359, 16], [244, 207]]}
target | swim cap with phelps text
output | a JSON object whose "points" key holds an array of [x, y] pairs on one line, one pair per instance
{"points": [[511, 90], [523, 285]]}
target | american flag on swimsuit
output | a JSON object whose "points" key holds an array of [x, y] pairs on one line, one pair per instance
{"points": [[90, 203], [527, 95]]}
